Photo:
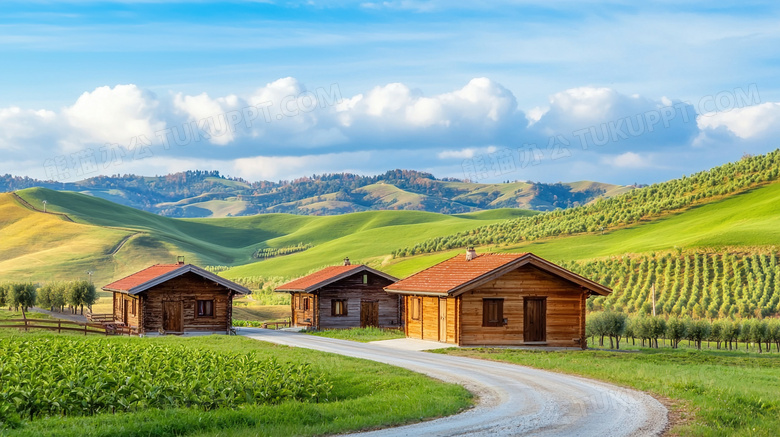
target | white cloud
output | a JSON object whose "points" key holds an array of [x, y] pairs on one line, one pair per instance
{"points": [[113, 115], [282, 130], [748, 122], [627, 160], [281, 167], [24, 130], [466, 153]]}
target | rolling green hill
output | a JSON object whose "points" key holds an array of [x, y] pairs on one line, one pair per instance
{"points": [[113, 240], [717, 259]]}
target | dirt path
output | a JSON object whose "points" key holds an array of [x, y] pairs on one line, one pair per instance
{"points": [[122, 243], [513, 400], [27, 205], [58, 315]]}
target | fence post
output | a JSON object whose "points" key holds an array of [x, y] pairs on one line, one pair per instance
{"points": [[59, 326]]}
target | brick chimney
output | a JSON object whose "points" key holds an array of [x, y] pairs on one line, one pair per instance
{"points": [[180, 260], [346, 262], [470, 254]]}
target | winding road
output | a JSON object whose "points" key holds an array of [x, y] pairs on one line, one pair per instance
{"points": [[513, 400]]}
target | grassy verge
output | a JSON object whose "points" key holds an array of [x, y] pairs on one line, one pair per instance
{"points": [[363, 335], [7, 315], [718, 392], [365, 395]]}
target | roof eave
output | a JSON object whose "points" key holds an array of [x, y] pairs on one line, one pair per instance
{"points": [[336, 278], [232, 286], [418, 293]]}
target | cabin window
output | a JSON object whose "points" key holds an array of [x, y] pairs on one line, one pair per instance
{"points": [[338, 307], [365, 279], [306, 304], [132, 308], [492, 312], [205, 308], [415, 310]]}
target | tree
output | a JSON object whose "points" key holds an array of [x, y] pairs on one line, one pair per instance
{"points": [[698, 330], [716, 333], [44, 296], [657, 329], [745, 332], [615, 325], [82, 293], [675, 330], [774, 332], [596, 327], [59, 295], [758, 333], [22, 296], [3, 295]]}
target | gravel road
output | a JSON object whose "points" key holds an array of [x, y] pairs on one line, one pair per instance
{"points": [[513, 400]]}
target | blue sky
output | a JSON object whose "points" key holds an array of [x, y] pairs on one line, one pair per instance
{"points": [[277, 90]]}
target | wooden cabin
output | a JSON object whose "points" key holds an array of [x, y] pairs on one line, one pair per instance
{"points": [[497, 299], [345, 296], [174, 298]]}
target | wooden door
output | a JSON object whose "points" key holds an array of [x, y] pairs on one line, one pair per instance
{"points": [[443, 319], [369, 314], [535, 323], [124, 312], [172, 316]]}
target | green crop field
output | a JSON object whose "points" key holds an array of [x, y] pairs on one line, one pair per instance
{"points": [[147, 386]]}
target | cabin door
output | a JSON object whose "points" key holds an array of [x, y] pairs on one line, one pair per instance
{"points": [[172, 316], [124, 312], [535, 315], [369, 314], [443, 319]]}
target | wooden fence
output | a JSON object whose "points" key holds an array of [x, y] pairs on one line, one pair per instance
{"points": [[56, 325], [99, 318], [285, 324]]}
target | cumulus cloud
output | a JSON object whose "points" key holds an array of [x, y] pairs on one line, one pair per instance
{"points": [[747, 123], [627, 160], [22, 131], [283, 129], [113, 115], [466, 153]]}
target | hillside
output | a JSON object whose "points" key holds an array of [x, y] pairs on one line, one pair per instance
{"points": [[113, 240], [716, 258], [648, 203], [208, 194]]}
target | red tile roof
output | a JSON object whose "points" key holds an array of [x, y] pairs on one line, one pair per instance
{"points": [[142, 277], [453, 273], [323, 277]]}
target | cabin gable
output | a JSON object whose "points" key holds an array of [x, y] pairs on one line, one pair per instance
{"points": [[187, 303]]}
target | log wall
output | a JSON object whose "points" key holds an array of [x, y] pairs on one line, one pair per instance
{"points": [[355, 291], [188, 289], [120, 301], [301, 317], [564, 317]]}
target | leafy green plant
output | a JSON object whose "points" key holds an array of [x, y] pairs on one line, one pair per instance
{"points": [[64, 377]]}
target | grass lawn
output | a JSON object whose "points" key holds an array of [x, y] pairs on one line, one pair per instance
{"points": [[715, 393], [6, 315], [365, 395], [363, 335]]}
